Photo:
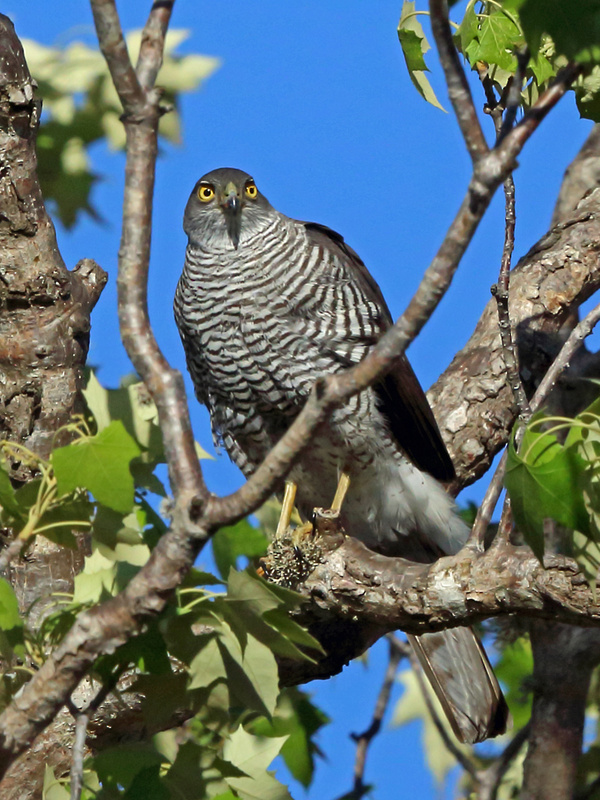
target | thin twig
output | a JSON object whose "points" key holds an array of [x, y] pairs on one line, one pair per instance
{"points": [[458, 87], [114, 49], [153, 42], [363, 740], [82, 719], [455, 751], [141, 117], [513, 100], [580, 332], [501, 292], [487, 507], [505, 525]]}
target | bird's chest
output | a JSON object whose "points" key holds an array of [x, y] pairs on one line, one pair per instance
{"points": [[228, 319]]}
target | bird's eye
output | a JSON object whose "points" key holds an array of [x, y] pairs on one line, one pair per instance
{"points": [[251, 191], [206, 193]]}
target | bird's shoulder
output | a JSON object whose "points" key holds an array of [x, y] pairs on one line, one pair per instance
{"points": [[322, 236]]}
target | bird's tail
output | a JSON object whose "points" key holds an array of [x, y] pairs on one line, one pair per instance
{"points": [[463, 679]]}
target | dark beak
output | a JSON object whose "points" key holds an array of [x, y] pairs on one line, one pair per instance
{"points": [[232, 208]]}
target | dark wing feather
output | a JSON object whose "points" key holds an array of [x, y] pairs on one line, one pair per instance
{"points": [[401, 398]]}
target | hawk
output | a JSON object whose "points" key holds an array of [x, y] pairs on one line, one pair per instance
{"points": [[265, 305]]}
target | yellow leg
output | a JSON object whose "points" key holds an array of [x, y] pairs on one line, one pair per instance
{"points": [[340, 492], [287, 507]]}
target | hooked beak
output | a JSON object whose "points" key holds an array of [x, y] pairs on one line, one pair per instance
{"points": [[232, 208]]}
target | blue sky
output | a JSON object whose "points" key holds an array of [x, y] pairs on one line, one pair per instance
{"points": [[313, 99]]}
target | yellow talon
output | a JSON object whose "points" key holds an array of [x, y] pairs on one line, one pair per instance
{"points": [[287, 507], [340, 492]]}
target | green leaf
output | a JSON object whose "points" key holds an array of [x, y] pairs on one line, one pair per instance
{"points": [[101, 578], [497, 38], [8, 497], [514, 669], [99, 464], [252, 755], [234, 541], [253, 678], [162, 696], [148, 785], [11, 624], [254, 594], [118, 766], [53, 788], [297, 718], [414, 46], [59, 522], [587, 94], [207, 666], [574, 26], [133, 406], [545, 482]]}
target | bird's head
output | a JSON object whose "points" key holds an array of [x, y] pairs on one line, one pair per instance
{"points": [[223, 205]]}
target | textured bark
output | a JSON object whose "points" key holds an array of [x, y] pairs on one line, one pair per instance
{"points": [[44, 335], [564, 658], [44, 312]]}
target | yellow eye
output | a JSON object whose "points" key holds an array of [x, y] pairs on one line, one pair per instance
{"points": [[251, 191], [206, 193]]}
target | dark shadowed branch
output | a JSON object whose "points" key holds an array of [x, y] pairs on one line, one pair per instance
{"points": [[489, 780]]}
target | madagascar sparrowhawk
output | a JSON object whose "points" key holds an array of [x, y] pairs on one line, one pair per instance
{"points": [[267, 304]]}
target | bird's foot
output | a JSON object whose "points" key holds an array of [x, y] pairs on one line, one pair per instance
{"points": [[340, 492], [287, 507]]}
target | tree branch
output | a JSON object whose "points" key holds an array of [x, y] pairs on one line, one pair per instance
{"points": [[153, 42], [460, 590]]}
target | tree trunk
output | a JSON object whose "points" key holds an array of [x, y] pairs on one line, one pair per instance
{"points": [[44, 336]]}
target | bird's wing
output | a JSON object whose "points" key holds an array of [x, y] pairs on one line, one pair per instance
{"points": [[400, 396]]}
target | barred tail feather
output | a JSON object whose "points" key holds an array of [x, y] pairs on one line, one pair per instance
{"points": [[461, 675]]}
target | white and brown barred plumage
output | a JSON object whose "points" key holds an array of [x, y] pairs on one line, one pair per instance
{"points": [[265, 305]]}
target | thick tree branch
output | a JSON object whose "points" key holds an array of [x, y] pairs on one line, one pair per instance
{"points": [[392, 594]]}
